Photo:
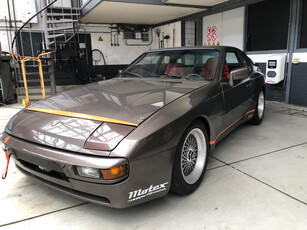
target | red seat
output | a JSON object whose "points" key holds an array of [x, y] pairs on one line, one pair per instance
{"points": [[209, 69], [226, 72], [174, 68]]}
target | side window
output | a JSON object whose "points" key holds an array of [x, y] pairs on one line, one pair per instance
{"points": [[247, 62], [232, 61]]}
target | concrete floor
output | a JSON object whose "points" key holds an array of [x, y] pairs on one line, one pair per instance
{"points": [[256, 179]]}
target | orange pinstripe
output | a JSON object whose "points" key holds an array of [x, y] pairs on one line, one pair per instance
{"points": [[213, 142]]}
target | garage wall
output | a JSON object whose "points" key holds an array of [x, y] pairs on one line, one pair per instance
{"points": [[118, 57], [229, 28], [173, 30], [115, 55], [124, 54], [23, 12]]}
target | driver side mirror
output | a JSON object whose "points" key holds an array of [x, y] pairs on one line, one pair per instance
{"points": [[238, 74]]}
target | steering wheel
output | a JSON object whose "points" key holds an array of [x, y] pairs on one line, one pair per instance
{"points": [[193, 76]]}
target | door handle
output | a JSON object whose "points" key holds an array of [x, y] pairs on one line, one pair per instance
{"points": [[248, 83]]}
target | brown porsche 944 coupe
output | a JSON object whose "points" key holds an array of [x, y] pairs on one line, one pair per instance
{"points": [[133, 138]]}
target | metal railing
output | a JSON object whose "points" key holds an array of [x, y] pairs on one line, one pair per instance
{"points": [[23, 60], [59, 23]]}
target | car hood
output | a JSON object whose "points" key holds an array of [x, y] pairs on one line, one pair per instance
{"points": [[126, 100], [122, 99]]}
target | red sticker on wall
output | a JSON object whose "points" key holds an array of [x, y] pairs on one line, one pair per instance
{"points": [[208, 37], [213, 29], [209, 30], [213, 37]]}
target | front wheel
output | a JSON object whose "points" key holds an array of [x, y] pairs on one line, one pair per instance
{"points": [[259, 111], [190, 159]]}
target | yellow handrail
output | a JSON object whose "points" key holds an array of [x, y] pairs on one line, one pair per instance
{"points": [[26, 101]]}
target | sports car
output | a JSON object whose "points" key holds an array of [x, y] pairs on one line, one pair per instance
{"points": [[148, 131]]}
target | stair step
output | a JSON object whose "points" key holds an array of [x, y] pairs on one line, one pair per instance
{"points": [[34, 80], [33, 98], [35, 94], [60, 28], [63, 8], [36, 73], [51, 43], [62, 14], [55, 36], [33, 90], [51, 33], [61, 21], [36, 66]]}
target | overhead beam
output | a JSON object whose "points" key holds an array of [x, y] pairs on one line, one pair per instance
{"points": [[160, 3], [93, 3], [229, 5], [186, 5], [149, 2]]}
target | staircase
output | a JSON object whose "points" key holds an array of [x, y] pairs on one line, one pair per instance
{"points": [[60, 24]]}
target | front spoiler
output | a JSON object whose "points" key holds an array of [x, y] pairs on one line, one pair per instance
{"points": [[143, 173]]}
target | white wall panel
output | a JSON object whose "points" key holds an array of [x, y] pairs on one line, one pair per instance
{"points": [[229, 27], [233, 24], [168, 30], [215, 20], [115, 55]]}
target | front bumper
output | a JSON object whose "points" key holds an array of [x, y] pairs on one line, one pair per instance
{"points": [[144, 174]]}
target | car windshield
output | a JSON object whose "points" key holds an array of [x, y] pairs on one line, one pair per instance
{"points": [[178, 64]]}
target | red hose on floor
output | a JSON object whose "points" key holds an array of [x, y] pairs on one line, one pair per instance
{"points": [[4, 174]]}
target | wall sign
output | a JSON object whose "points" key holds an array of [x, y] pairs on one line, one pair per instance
{"points": [[211, 35]]}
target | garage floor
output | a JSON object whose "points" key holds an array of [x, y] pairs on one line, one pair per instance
{"points": [[256, 179]]}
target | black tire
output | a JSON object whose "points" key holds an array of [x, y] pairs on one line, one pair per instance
{"points": [[257, 117], [186, 184]]}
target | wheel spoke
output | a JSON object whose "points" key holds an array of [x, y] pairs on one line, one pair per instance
{"points": [[193, 155]]}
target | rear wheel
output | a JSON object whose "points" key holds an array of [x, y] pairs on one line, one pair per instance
{"points": [[259, 111], [190, 159]]}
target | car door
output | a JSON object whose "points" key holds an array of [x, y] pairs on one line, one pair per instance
{"points": [[238, 93]]}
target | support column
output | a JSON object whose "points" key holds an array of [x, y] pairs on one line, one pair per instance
{"points": [[292, 42], [50, 59]]}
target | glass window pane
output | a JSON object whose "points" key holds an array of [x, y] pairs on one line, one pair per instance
{"points": [[179, 64], [267, 27], [190, 33]]}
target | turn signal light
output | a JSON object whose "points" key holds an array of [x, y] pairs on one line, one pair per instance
{"points": [[115, 172]]}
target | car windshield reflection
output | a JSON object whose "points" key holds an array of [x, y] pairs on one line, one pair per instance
{"points": [[175, 64]]}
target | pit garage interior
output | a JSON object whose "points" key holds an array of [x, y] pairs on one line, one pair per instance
{"points": [[256, 177]]}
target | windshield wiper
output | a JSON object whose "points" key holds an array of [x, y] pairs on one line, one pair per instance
{"points": [[130, 73]]}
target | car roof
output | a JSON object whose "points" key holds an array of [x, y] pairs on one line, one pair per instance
{"points": [[194, 48]]}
